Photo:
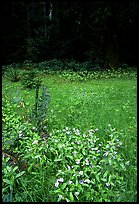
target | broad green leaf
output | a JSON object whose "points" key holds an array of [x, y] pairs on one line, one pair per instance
{"points": [[6, 181], [71, 196], [105, 174], [57, 160], [20, 174], [15, 168]]}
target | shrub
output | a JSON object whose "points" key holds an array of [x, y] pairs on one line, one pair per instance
{"points": [[12, 74], [30, 80]]}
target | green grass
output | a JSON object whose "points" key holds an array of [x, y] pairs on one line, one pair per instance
{"points": [[91, 104]]}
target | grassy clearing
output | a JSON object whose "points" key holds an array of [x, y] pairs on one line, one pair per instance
{"points": [[108, 105]]}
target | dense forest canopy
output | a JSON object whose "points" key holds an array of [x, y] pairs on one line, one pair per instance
{"points": [[104, 32]]}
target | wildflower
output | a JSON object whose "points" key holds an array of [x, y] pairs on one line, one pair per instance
{"points": [[115, 152], [87, 161], [69, 168], [61, 180], [76, 193], [74, 153], [81, 181], [60, 196], [87, 181], [96, 148], [35, 142], [81, 172], [90, 131], [78, 161], [98, 151], [60, 171], [106, 153], [77, 132], [108, 184], [96, 129], [20, 135], [66, 128], [120, 143], [20, 131], [56, 184], [34, 128], [70, 182], [68, 132], [84, 135]]}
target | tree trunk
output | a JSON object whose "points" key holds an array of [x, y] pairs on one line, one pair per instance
{"points": [[28, 33], [111, 55]]}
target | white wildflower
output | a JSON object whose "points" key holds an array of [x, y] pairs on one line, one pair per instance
{"points": [[87, 161], [68, 132], [81, 181], [60, 196], [87, 181], [35, 142], [69, 168], [61, 180], [81, 172], [56, 184], [84, 135], [108, 184], [106, 153], [78, 161], [74, 153], [70, 182], [76, 193]]}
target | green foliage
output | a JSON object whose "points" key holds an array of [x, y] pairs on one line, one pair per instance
{"points": [[87, 168], [12, 74], [39, 114], [31, 80], [85, 157]]}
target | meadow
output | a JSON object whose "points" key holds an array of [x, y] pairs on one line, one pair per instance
{"points": [[87, 147]]}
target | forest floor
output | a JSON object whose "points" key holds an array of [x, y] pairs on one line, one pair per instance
{"points": [[90, 152]]}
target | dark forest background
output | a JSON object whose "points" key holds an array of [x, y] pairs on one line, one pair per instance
{"points": [[102, 32]]}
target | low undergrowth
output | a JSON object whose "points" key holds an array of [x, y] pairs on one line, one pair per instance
{"points": [[82, 151]]}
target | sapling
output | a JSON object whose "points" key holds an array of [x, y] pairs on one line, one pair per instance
{"points": [[41, 106]]}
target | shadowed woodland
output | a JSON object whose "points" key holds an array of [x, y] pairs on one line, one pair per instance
{"points": [[103, 32]]}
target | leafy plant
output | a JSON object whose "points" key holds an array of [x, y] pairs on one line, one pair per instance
{"points": [[87, 168], [31, 80], [41, 107], [12, 74]]}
